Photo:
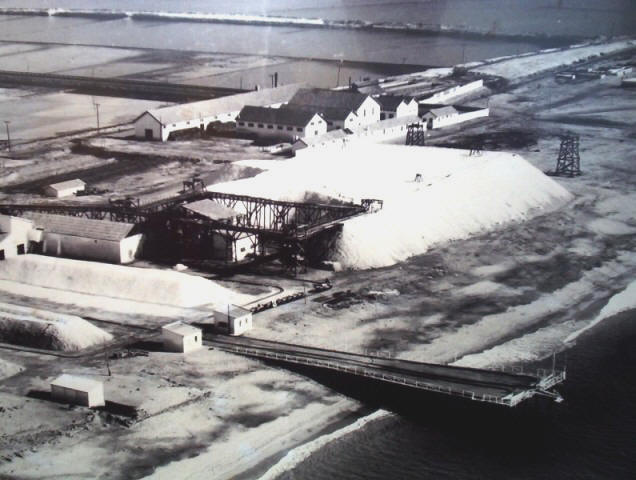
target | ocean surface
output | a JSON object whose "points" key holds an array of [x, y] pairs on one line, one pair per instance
{"points": [[591, 435]]}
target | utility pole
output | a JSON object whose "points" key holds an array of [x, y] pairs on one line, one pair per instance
{"points": [[6, 123], [97, 112], [339, 67]]}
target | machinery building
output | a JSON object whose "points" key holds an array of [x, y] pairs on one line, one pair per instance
{"points": [[225, 246], [181, 338], [88, 239], [78, 390], [234, 320], [65, 189], [16, 236], [364, 106], [396, 106], [160, 123]]}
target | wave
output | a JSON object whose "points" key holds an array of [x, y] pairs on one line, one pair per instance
{"points": [[302, 452], [266, 20], [621, 302]]}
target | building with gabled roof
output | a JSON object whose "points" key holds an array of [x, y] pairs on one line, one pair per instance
{"points": [[65, 189], [437, 116], [337, 118], [396, 106], [159, 123], [364, 106], [16, 236], [181, 337], [285, 123], [89, 239]]}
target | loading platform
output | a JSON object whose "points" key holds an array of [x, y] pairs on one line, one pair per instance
{"points": [[489, 386]]}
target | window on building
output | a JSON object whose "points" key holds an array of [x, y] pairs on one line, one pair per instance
{"points": [[290, 128], [241, 124], [148, 133], [315, 132], [21, 250], [391, 115], [250, 124], [298, 129], [1, 254], [279, 127], [260, 125], [196, 338], [365, 112], [271, 127]]}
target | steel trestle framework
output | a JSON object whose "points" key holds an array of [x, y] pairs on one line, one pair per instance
{"points": [[568, 162], [288, 226]]}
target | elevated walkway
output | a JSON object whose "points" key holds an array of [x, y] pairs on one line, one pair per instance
{"points": [[497, 387]]}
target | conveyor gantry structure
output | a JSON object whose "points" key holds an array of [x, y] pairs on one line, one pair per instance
{"points": [[290, 226], [490, 386]]}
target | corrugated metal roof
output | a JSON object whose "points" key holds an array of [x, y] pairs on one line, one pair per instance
{"points": [[182, 329], [328, 98], [295, 117], [75, 183], [211, 209], [81, 227], [223, 105], [74, 382]]}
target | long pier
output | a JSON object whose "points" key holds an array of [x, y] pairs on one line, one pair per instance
{"points": [[489, 386]]}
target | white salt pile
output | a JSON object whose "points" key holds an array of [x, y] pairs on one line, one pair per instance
{"points": [[117, 281], [457, 196], [43, 329]]}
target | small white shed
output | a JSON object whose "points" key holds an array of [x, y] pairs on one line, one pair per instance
{"points": [[78, 390], [65, 189], [181, 337], [233, 319]]}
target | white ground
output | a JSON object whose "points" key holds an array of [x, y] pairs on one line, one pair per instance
{"points": [[458, 196]]}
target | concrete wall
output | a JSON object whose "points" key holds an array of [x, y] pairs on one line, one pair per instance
{"points": [[91, 249]]}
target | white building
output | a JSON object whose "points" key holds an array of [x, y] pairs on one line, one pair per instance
{"points": [[285, 123], [233, 319], [76, 237], [16, 235], [78, 390], [181, 337], [364, 106], [226, 246], [159, 123], [65, 189], [396, 106], [437, 116]]}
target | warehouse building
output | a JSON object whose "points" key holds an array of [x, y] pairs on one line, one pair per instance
{"points": [[364, 106], [16, 236], [285, 123], [65, 189], [233, 320], [159, 123], [78, 390], [83, 238], [396, 106], [181, 338]]}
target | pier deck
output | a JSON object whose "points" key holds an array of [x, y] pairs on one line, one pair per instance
{"points": [[498, 387]]}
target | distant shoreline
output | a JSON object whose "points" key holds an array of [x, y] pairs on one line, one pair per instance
{"points": [[263, 20]]}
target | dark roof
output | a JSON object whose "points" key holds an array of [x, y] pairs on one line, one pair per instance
{"points": [[81, 227], [330, 113], [328, 98], [279, 116], [391, 102]]}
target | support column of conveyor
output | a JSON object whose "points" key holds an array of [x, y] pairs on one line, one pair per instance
{"points": [[489, 386]]}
